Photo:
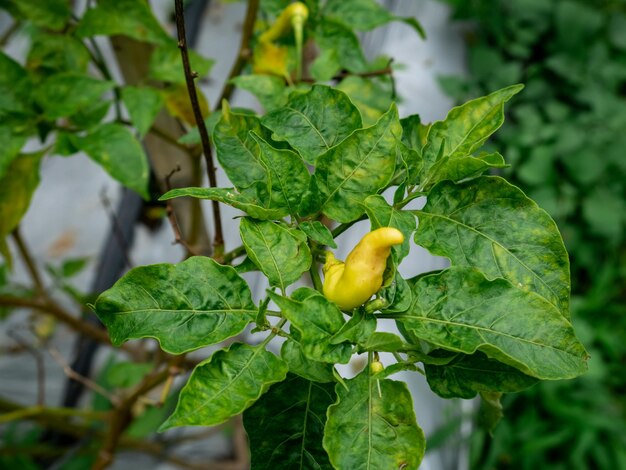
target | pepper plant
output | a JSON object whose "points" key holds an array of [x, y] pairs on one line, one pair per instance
{"points": [[322, 157]]}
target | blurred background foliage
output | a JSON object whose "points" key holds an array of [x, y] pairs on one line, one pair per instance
{"points": [[566, 141]]}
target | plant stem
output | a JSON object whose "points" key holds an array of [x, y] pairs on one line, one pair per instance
{"points": [[244, 52], [28, 261], [218, 240]]}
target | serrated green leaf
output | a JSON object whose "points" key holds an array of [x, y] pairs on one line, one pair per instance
{"points": [[269, 90], [143, 105], [300, 364], [247, 201], [318, 232], [186, 306], [114, 148], [381, 214], [491, 225], [460, 310], [280, 252], [360, 166], [51, 14], [286, 425], [466, 128], [21, 178], [67, 93], [365, 15], [372, 97], [166, 64], [130, 18], [467, 375], [225, 385], [317, 320], [314, 122], [366, 430]]}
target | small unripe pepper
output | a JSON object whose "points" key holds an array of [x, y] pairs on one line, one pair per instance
{"points": [[352, 283]]}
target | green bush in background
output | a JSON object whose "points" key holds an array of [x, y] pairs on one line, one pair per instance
{"points": [[566, 142]]}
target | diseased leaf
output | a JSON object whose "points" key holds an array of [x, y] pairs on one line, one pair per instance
{"points": [[123, 17], [333, 36], [114, 148], [186, 306], [317, 320], [466, 128], [67, 93], [286, 425], [318, 232], [460, 310], [461, 168], [466, 375], [226, 384], [17, 186], [360, 326], [381, 214], [358, 167], [314, 122], [371, 96], [280, 252], [491, 225], [247, 201], [143, 104], [368, 430]]}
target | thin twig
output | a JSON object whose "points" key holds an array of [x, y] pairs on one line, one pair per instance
{"points": [[171, 217], [244, 52], [90, 384], [118, 233], [41, 371], [29, 262], [218, 240], [47, 305]]}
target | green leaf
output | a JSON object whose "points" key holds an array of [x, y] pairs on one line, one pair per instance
{"points": [[333, 36], [414, 133], [460, 310], [269, 90], [368, 430], [360, 326], [166, 64], [381, 214], [67, 93], [325, 66], [286, 425], [318, 232], [237, 150], [186, 306], [293, 354], [314, 122], [462, 168], [398, 295], [372, 97], [50, 14], [143, 105], [358, 167], [10, 146], [491, 225], [317, 320], [466, 375], [490, 412], [17, 186], [226, 384], [57, 53], [115, 149], [127, 374], [381, 341], [280, 252], [365, 15], [466, 128], [288, 177], [246, 201], [130, 18]]}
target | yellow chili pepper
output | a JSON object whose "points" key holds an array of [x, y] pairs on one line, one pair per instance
{"points": [[352, 283], [295, 13]]}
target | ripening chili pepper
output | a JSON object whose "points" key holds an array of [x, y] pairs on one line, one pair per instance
{"points": [[352, 283]]}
